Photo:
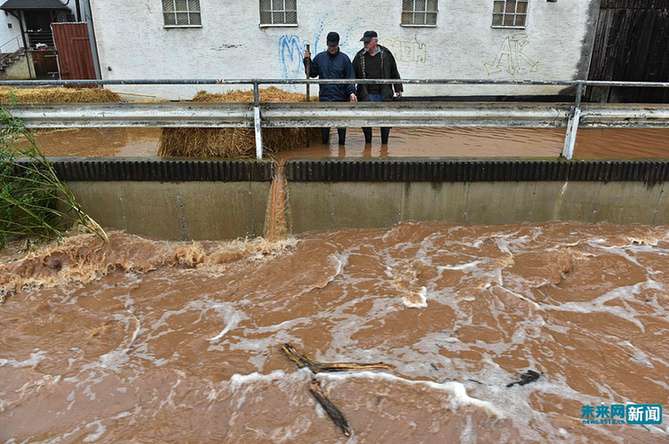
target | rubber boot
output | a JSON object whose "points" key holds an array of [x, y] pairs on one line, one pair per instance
{"points": [[342, 135], [325, 136], [368, 135], [385, 134]]}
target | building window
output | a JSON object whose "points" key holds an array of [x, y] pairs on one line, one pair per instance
{"points": [[509, 13], [419, 12], [182, 13], [278, 12]]}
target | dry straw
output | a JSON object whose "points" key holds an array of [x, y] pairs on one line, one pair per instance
{"points": [[233, 142], [11, 96]]}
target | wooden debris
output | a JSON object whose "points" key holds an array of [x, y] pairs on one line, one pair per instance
{"points": [[318, 367], [333, 412], [526, 378]]}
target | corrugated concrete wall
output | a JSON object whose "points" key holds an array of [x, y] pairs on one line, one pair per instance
{"points": [[189, 199], [228, 210], [177, 211], [329, 206], [556, 44]]}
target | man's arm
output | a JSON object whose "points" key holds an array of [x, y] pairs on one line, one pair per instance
{"points": [[350, 74], [395, 74], [311, 66], [356, 64]]}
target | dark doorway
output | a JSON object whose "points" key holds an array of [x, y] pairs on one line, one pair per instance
{"points": [[631, 44]]}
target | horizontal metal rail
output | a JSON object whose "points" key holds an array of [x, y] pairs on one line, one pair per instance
{"points": [[296, 115], [155, 115], [110, 82], [275, 116]]}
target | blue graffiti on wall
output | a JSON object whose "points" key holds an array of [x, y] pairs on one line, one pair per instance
{"points": [[291, 51]]}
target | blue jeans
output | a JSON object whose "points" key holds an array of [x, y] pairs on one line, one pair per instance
{"points": [[385, 132]]}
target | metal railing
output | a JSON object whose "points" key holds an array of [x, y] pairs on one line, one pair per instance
{"points": [[575, 113]]}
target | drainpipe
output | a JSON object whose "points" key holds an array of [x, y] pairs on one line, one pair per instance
{"points": [[25, 42], [88, 18]]}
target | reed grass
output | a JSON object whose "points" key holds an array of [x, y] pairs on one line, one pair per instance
{"points": [[34, 203]]}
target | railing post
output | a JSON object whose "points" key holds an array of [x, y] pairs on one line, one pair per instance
{"points": [[572, 125], [256, 119]]}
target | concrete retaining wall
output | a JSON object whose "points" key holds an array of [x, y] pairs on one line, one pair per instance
{"points": [[183, 200], [227, 210], [315, 206], [177, 210]]}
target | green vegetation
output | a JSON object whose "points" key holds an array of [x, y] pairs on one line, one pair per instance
{"points": [[34, 203]]}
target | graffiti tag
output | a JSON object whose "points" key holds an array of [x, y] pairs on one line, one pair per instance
{"points": [[511, 58]]}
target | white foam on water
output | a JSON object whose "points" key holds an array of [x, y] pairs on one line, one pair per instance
{"points": [[468, 433], [339, 261], [243, 384], [461, 267], [238, 380], [113, 360], [457, 390], [417, 300], [97, 433], [35, 358], [599, 303], [637, 355], [520, 296], [300, 426], [231, 322]]}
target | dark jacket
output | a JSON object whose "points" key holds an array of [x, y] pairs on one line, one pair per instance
{"points": [[388, 68], [327, 66]]}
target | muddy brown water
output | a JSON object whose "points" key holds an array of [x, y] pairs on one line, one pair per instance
{"points": [[404, 142], [144, 341]]}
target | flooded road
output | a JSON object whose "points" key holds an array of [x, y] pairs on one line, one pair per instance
{"points": [[146, 341], [404, 142]]}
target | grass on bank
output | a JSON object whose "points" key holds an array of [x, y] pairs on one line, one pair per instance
{"points": [[34, 203]]}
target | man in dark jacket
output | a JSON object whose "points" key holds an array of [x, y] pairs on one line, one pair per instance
{"points": [[376, 62], [332, 64]]}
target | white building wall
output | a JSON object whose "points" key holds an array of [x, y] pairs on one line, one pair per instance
{"points": [[133, 43], [10, 38]]}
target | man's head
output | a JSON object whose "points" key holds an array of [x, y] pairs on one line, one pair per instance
{"points": [[333, 42], [371, 40]]}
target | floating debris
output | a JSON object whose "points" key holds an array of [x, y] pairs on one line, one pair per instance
{"points": [[318, 367], [526, 378], [333, 412], [645, 241], [315, 388]]}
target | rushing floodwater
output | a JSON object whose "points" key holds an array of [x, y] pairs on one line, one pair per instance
{"points": [[145, 341], [431, 142]]}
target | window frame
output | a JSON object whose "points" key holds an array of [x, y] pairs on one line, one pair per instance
{"points": [[502, 26], [414, 12], [271, 14], [188, 12]]}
